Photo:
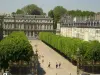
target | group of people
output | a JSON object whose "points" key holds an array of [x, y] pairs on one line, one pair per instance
{"points": [[57, 65]]}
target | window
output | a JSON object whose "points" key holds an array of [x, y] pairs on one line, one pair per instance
{"points": [[31, 33]]}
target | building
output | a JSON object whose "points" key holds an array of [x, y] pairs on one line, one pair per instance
{"points": [[30, 24], [97, 16], [84, 29]]}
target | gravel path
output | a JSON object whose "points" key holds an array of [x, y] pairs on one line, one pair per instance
{"points": [[53, 57]]}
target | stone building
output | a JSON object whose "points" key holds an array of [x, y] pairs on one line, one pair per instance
{"points": [[86, 30], [97, 16], [30, 24]]}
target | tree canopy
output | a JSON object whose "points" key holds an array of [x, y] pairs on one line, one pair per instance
{"points": [[56, 13], [19, 11], [90, 50], [51, 14], [80, 13], [30, 9], [14, 48]]}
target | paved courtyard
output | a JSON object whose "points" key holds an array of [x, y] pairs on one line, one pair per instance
{"points": [[48, 55]]}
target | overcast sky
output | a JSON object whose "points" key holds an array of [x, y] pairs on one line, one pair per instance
{"points": [[46, 5]]}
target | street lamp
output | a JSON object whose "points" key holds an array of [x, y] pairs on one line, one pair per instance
{"points": [[78, 55]]}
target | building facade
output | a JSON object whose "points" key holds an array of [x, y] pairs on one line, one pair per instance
{"points": [[97, 16], [30, 24], [86, 30]]}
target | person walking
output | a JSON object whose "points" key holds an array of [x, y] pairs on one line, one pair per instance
{"points": [[42, 60], [70, 74], [56, 73], [59, 64], [49, 65], [56, 65]]}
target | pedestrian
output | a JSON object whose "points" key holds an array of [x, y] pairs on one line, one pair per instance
{"points": [[70, 74], [56, 65], [59, 65], [42, 60], [42, 56], [56, 73], [49, 65], [39, 56]]}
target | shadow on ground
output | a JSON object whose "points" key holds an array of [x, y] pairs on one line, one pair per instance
{"points": [[85, 68], [26, 70], [40, 70]]}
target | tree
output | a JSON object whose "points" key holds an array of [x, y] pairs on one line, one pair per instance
{"points": [[15, 48], [51, 14], [32, 9], [89, 50], [13, 13], [56, 13], [81, 13], [19, 11], [72, 13], [44, 13], [35, 12]]}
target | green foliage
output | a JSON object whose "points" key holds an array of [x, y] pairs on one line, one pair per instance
{"points": [[13, 13], [51, 14], [88, 50], [81, 13], [93, 52], [14, 48], [32, 9], [19, 11], [59, 11], [56, 13]]}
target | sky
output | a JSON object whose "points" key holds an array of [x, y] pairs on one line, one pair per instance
{"points": [[9, 6]]}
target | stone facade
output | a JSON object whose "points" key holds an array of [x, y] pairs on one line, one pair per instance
{"points": [[30, 24], [97, 16], [86, 30]]}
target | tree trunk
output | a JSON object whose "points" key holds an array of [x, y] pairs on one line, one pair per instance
{"points": [[93, 66]]}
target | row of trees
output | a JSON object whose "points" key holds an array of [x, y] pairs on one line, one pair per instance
{"points": [[81, 13], [88, 50], [56, 13], [14, 48], [59, 11]]}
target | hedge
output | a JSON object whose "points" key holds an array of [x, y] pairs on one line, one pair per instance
{"points": [[88, 50]]}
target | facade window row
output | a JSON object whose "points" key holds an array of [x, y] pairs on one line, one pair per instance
{"points": [[23, 20], [25, 26]]}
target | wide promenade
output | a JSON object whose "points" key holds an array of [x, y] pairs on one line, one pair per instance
{"points": [[49, 55]]}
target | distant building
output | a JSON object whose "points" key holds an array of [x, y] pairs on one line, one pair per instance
{"points": [[30, 24], [83, 29], [97, 16]]}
